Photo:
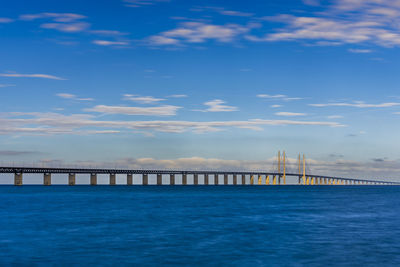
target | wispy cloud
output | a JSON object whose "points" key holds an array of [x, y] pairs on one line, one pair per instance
{"points": [[67, 27], [73, 97], [110, 43], [278, 97], [73, 23], [199, 32], [108, 32], [276, 106], [360, 51], [337, 24], [43, 76], [177, 96], [140, 3], [335, 117], [142, 99], [11, 153], [290, 114], [166, 110], [357, 105], [58, 17], [217, 105], [6, 85], [270, 96], [53, 123], [6, 20], [224, 11]]}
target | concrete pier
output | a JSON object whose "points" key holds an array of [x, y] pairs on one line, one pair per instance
{"points": [[93, 179], [234, 179], [243, 179], [145, 179], [225, 179], [18, 179], [195, 179], [129, 179], [47, 179], [172, 179], [184, 179], [206, 179], [71, 179], [113, 180], [159, 179], [215, 179]]}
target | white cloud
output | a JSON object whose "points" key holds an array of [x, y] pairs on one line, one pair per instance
{"points": [[6, 85], [360, 51], [108, 32], [335, 117], [177, 96], [166, 110], [6, 20], [235, 13], [67, 96], [140, 3], [58, 17], [35, 123], [199, 32], [290, 114], [142, 99], [279, 97], [276, 106], [223, 11], [110, 43], [270, 96], [73, 97], [344, 22], [67, 27], [217, 105], [357, 105], [43, 76]]}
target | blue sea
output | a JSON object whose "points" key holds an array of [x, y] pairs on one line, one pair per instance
{"points": [[200, 226]]}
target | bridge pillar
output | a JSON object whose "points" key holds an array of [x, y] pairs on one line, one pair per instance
{"points": [[274, 180], [259, 179], [18, 178], [243, 179], [145, 179], [159, 179], [172, 179], [235, 179], [129, 179], [195, 179], [225, 179], [47, 179], [93, 179], [71, 179], [216, 182], [112, 179], [184, 179], [267, 179], [252, 179], [206, 179]]}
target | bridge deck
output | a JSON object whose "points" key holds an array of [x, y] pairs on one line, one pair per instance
{"points": [[139, 171]]}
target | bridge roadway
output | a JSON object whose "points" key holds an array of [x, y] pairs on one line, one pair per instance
{"points": [[323, 180]]}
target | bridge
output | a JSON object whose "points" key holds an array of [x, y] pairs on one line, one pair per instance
{"points": [[245, 177]]}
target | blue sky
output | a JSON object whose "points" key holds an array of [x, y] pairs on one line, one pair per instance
{"points": [[215, 84]]}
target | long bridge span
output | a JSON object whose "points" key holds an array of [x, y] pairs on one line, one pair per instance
{"points": [[238, 177], [277, 177]]}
